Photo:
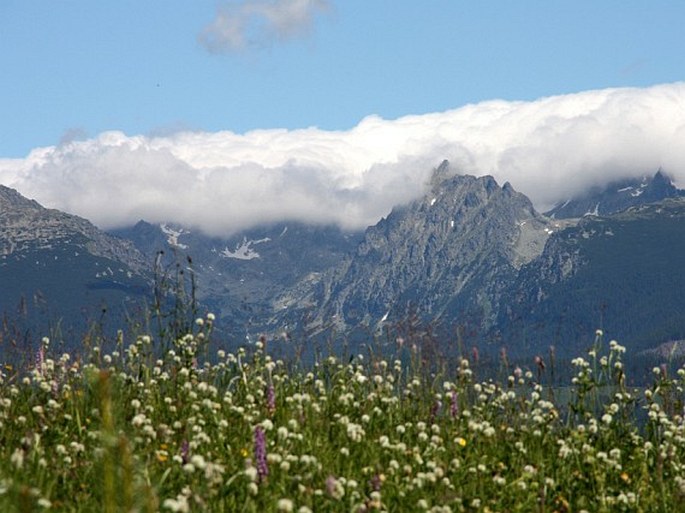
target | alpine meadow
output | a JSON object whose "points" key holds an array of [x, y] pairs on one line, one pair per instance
{"points": [[309, 256]]}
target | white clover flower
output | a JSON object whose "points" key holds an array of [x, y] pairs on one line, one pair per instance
{"points": [[17, 458], [285, 505]]}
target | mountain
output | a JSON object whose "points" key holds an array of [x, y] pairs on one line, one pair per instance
{"points": [[447, 257], [238, 277], [622, 273], [475, 259], [617, 197], [471, 260], [59, 273]]}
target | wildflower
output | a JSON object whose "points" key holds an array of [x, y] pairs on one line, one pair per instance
{"points": [[40, 359], [17, 458], [460, 441], [185, 451], [285, 505], [376, 482], [435, 410], [260, 453], [179, 504], [271, 400], [334, 488], [454, 404]]}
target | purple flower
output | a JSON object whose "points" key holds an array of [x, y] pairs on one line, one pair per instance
{"points": [[260, 453], [40, 359], [185, 451], [271, 399], [435, 410], [454, 404], [375, 482], [331, 483]]}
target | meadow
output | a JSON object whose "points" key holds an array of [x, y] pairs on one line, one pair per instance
{"points": [[189, 427]]}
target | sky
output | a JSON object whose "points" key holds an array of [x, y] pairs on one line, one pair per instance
{"points": [[225, 114]]}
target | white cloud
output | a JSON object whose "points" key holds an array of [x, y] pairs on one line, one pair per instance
{"points": [[258, 23], [549, 149]]}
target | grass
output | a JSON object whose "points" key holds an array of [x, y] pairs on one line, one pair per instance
{"points": [[138, 430]]}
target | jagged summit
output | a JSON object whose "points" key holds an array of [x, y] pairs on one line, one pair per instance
{"points": [[618, 196], [10, 199], [440, 174], [446, 254]]}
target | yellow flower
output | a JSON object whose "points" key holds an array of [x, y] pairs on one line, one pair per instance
{"points": [[625, 477], [461, 441], [162, 456], [244, 452]]}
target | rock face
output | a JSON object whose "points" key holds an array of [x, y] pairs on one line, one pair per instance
{"points": [[239, 276], [617, 197], [469, 254], [27, 226], [60, 271], [447, 256], [621, 273]]}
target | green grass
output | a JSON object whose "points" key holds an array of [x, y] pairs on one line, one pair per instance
{"points": [[137, 431]]}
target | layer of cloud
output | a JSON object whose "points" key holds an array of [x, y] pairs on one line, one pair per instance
{"points": [[258, 23], [550, 149]]}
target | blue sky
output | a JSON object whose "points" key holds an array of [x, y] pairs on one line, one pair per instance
{"points": [[226, 114], [76, 68]]}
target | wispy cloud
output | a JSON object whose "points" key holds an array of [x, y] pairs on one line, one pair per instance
{"points": [[550, 149], [258, 23]]}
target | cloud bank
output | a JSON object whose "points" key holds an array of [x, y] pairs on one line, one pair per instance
{"points": [[258, 23], [550, 149]]}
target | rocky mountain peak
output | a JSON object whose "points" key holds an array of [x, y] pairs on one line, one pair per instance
{"points": [[450, 251], [10, 199], [25, 225], [618, 196]]}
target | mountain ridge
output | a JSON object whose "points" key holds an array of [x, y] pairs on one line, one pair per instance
{"points": [[468, 253]]}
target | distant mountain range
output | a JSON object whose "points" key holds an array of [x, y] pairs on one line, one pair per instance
{"points": [[617, 197], [471, 258]]}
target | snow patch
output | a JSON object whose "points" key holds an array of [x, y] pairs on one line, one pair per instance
{"points": [[433, 201], [244, 250], [594, 212], [173, 235], [624, 189]]}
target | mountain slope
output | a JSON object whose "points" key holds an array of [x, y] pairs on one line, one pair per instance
{"points": [[59, 270], [618, 196], [239, 276], [446, 257], [622, 273]]}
